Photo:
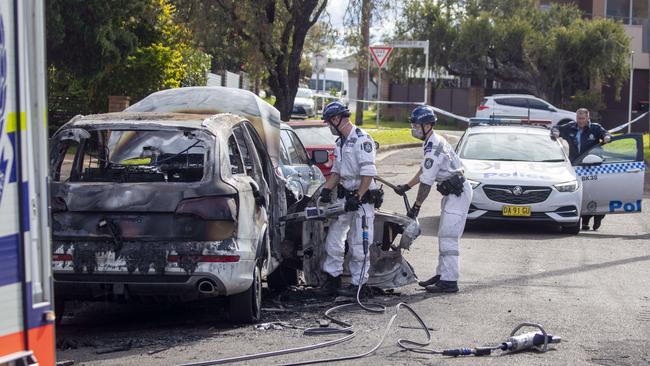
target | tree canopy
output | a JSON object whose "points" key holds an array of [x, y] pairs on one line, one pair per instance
{"points": [[124, 47], [552, 52]]}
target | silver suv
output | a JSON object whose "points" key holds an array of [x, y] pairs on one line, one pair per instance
{"points": [[522, 106]]}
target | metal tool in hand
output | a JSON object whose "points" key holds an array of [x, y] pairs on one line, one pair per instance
{"points": [[391, 185], [318, 212]]}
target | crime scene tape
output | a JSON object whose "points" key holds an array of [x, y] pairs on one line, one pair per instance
{"points": [[618, 128], [455, 116]]}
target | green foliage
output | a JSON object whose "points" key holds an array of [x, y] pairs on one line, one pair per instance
{"points": [[423, 20], [552, 52], [592, 100], [272, 38], [130, 47], [151, 68]]}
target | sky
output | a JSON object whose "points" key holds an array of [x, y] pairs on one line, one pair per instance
{"points": [[335, 12]]}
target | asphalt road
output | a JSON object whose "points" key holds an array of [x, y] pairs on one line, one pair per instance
{"points": [[592, 289]]}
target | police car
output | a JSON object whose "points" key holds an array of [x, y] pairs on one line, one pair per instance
{"points": [[518, 173]]}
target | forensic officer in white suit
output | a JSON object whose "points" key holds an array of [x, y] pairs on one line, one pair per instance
{"points": [[352, 175], [440, 165]]}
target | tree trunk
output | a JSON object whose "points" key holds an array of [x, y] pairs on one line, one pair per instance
{"points": [[362, 59]]}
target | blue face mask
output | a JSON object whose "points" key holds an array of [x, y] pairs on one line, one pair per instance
{"points": [[416, 131]]}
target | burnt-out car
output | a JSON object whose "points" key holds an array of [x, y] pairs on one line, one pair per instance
{"points": [[148, 206], [182, 197]]}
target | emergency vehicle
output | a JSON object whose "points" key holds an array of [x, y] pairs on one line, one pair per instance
{"points": [[520, 174], [26, 300]]}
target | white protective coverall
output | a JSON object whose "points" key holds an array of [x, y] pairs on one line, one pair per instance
{"points": [[354, 157], [439, 164]]}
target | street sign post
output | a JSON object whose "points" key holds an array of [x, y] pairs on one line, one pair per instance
{"points": [[380, 54], [318, 62], [425, 47]]}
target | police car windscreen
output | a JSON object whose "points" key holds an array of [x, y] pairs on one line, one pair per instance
{"points": [[511, 147]]}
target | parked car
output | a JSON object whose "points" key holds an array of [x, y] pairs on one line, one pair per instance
{"points": [[316, 135], [332, 79], [520, 174], [150, 206], [303, 105], [522, 106], [298, 167]]}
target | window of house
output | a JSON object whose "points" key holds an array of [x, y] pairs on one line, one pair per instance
{"points": [[619, 10], [639, 12]]}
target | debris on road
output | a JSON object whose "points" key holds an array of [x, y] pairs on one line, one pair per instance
{"points": [[271, 325], [153, 352], [123, 347]]}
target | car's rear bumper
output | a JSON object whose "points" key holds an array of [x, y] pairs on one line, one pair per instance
{"points": [[229, 279], [92, 269]]}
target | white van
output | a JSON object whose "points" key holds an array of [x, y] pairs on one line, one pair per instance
{"points": [[331, 79]]}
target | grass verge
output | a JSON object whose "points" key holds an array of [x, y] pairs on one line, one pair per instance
{"points": [[391, 132]]}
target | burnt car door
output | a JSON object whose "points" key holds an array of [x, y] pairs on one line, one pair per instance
{"points": [[299, 166], [276, 203]]}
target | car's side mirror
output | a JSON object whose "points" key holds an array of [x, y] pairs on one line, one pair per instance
{"points": [[551, 109], [376, 145], [320, 156], [591, 159]]}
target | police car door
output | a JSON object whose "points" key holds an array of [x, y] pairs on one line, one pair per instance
{"points": [[612, 176]]}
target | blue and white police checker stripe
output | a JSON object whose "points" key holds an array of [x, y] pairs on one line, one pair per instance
{"points": [[609, 168]]}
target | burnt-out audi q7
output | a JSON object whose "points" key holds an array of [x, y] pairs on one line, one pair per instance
{"points": [[181, 197], [152, 205]]}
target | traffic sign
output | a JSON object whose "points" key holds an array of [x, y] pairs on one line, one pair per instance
{"points": [[410, 44], [380, 54]]}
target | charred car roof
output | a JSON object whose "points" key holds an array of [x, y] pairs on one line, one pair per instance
{"points": [[208, 100], [153, 119]]}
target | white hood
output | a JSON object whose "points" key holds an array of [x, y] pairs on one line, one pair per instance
{"points": [[518, 172]]}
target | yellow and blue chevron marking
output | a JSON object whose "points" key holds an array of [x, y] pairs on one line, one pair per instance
{"points": [[609, 168]]}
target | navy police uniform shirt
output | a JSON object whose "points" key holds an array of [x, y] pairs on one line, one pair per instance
{"points": [[581, 140]]}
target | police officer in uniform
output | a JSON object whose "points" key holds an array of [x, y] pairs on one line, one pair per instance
{"points": [[440, 165], [582, 135], [352, 182]]}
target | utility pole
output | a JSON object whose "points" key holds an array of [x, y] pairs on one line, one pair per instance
{"points": [[647, 49], [629, 99]]}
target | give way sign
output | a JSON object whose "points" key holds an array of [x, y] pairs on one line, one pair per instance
{"points": [[380, 54]]}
